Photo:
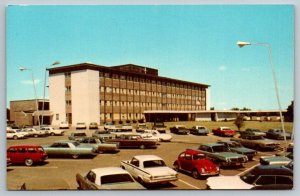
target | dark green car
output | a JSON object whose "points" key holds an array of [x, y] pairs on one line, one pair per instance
{"points": [[239, 148], [220, 154]]}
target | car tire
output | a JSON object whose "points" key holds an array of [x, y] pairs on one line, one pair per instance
{"points": [[52, 134], [15, 137], [176, 167], [257, 147], [142, 146], [75, 156], [195, 174], [28, 162], [35, 135]]}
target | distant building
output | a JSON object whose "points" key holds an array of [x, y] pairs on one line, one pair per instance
{"points": [[25, 112], [93, 93]]}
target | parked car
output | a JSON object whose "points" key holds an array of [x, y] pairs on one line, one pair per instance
{"points": [[32, 132], [127, 127], [52, 131], [131, 140], [149, 169], [253, 132], [46, 183], [159, 126], [107, 178], [220, 154], [179, 129], [118, 129], [14, 134], [99, 145], [141, 127], [80, 125], [261, 175], [69, 148], [195, 163], [162, 137], [78, 136], [239, 148], [8, 162], [276, 160], [26, 154], [93, 125], [103, 135], [108, 125], [199, 130], [224, 131], [277, 134], [64, 125], [257, 142]]}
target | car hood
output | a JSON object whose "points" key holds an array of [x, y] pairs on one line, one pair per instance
{"points": [[122, 186], [243, 150], [229, 154], [227, 182], [160, 171], [206, 163], [165, 136]]}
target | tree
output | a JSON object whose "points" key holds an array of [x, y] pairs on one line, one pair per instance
{"points": [[239, 122], [289, 116], [235, 109]]}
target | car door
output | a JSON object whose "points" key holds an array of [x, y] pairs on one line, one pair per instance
{"points": [[135, 164], [89, 180], [12, 153], [186, 162]]}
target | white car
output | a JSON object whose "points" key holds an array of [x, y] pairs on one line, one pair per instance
{"points": [[149, 169], [52, 131], [32, 132], [64, 125], [13, 134], [154, 134], [107, 178], [80, 125], [109, 125]]}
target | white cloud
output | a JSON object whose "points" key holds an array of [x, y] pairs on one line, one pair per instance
{"points": [[30, 82], [222, 68]]}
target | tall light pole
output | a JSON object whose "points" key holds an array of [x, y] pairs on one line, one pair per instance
{"points": [[43, 107], [36, 99], [268, 46]]}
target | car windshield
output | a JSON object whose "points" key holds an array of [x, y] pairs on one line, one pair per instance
{"points": [[257, 138], [249, 177], [198, 156], [75, 143], [116, 178], [235, 145], [220, 149], [154, 163], [201, 127], [79, 134]]}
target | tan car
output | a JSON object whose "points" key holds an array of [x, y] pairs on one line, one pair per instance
{"points": [[257, 142]]}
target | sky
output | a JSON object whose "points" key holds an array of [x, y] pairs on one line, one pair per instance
{"points": [[195, 43]]}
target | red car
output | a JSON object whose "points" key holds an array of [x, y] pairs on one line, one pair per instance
{"points": [[196, 163], [224, 131], [26, 154]]}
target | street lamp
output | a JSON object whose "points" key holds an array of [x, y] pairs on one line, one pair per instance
{"points": [[268, 46], [43, 107], [36, 99]]}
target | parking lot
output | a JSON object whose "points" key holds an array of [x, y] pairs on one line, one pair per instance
{"points": [[66, 168]]}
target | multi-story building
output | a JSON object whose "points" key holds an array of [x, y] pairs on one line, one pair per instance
{"points": [[93, 93]]}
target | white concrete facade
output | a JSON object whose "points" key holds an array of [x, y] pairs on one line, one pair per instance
{"points": [[85, 96], [57, 98], [207, 93]]}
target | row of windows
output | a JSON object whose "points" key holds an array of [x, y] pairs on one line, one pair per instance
{"points": [[144, 104], [148, 93], [121, 116], [146, 80]]}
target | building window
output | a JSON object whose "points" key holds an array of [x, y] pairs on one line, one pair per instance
{"points": [[68, 102], [68, 89], [57, 116], [68, 74]]}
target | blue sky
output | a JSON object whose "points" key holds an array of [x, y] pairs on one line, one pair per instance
{"points": [[193, 43]]}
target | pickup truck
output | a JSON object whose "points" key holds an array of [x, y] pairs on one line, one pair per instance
{"points": [[257, 142], [149, 169], [106, 178], [224, 131]]}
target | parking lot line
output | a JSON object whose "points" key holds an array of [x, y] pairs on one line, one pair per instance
{"points": [[188, 184], [247, 170], [66, 160], [22, 167]]}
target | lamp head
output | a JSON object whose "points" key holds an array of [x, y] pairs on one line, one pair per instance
{"points": [[56, 63], [242, 44], [22, 68]]}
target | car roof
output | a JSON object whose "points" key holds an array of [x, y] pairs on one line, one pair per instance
{"points": [[212, 144], [108, 170], [191, 151], [147, 157], [272, 170]]}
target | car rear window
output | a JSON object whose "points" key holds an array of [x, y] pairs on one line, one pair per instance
{"points": [[154, 163], [116, 178]]}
